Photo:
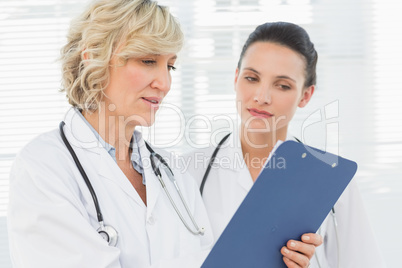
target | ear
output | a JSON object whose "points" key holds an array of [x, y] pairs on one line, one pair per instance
{"points": [[306, 96], [236, 77], [85, 56]]}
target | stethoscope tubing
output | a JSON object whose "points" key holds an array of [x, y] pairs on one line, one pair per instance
{"points": [[159, 175], [82, 171], [198, 230], [103, 228]]}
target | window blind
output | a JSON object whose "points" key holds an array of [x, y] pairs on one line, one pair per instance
{"points": [[31, 36]]}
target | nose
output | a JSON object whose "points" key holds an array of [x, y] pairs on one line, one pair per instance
{"points": [[162, 80], [263, 95]]}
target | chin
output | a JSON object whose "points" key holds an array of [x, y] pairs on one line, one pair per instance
{"points": [[149, 124], [262, 125], [140, 120]]}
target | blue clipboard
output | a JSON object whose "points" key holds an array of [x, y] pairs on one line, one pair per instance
{"points": [[292, 195]]}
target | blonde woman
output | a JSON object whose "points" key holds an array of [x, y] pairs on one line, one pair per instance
{"points": [[92, 193]]}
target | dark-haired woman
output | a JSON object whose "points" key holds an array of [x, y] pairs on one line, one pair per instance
{"points": [[276, 74]]}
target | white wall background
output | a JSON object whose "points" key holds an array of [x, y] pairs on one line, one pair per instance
{"points": [[355, 112]]}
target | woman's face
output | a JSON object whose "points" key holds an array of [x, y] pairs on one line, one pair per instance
{"points": [[137, 88], [270, 86]]}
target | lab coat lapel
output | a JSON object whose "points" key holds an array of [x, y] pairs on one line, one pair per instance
{"points": [[153, 185], [81, 136], [244, 179], [108, 169], [238, 166]]}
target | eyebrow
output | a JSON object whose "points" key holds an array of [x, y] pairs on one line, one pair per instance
{"points": [[286, 77], [251, 69], [279, 76], [172, 58]]}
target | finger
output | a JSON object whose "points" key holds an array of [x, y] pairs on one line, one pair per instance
{"points": [[290, 264], [300, 259], [303, 248], [311, 238]]}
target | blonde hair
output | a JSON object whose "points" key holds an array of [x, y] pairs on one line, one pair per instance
{"points": [[134, 28]]}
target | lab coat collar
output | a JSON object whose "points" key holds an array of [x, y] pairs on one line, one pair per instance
{"points": [[154, 187], [233, 150], [238, 164], [109, 170], [80, 136]]}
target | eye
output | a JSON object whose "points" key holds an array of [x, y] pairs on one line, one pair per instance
{"points": [[171, 68], [149, 62], [285, 87], [251, 79]]}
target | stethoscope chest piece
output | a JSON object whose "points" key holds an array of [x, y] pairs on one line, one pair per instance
{"points": [[109, 234]]}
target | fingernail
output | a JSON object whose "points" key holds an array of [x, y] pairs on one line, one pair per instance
{"points": [[306, 237], [286, 250], [292, 244]]}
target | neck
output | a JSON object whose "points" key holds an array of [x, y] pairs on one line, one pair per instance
{"points": [[113, 130], [256, 146]]}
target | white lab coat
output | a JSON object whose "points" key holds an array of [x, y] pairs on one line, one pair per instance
{"points": [[52, 218], [229, 182]]}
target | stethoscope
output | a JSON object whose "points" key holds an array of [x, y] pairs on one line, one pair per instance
{"points": [[204, 179], [107, 232]]}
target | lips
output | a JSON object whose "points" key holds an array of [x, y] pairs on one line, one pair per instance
{"points": [[259, 113], [152, 100]]}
